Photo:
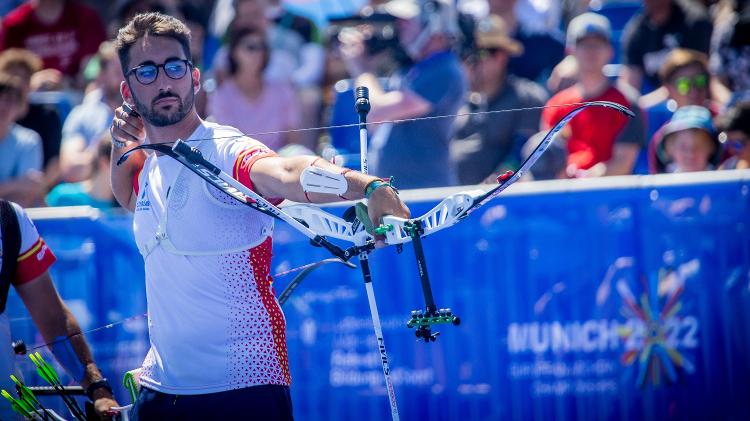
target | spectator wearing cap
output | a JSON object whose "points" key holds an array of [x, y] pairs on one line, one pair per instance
{"points": [[417, 153], [487, 144], [687, 143], [64, 33], [542, 49], [88, 121], [651, 34], [21, 179], [599, 141], [735, 135]]}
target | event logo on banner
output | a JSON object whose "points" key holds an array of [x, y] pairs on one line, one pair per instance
{"points": [[655, 338], [657, 332]]}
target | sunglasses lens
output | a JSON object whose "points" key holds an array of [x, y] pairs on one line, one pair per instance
{"points": [[175, 69], [700, 81], [146, 74], [683, 85]]}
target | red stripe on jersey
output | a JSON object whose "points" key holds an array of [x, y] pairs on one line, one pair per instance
{"points": [[244, 163], [260, 260], [136, 179], [33, 262]]}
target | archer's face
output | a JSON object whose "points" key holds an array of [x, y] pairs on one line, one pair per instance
{"points": [[166, 100]]}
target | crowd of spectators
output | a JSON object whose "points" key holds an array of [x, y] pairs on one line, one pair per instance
{"points": [[472, 85]]}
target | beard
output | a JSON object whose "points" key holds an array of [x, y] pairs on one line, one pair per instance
{"points": [[160, 118]]}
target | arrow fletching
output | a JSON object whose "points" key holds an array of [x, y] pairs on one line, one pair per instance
{"points": [[25, 393], [17, 405]]}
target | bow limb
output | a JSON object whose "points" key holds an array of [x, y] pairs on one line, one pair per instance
{"points": [[460, 205]]}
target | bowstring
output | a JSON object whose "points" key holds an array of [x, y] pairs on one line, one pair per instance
{"points": [[393, 121]]}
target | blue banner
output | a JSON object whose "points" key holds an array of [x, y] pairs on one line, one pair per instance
{"points": [[605, 299]]}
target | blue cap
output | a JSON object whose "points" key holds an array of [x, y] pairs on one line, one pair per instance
{"points": [[690, 117], [687, 118]]}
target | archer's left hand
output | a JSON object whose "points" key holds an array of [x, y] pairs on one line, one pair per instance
{"points": [[385, 201]]}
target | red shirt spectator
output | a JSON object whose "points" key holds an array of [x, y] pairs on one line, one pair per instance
{"points": [[593, 132], [63, 43]]}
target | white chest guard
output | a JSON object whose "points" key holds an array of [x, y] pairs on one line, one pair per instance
{"points": [[198, 219]]}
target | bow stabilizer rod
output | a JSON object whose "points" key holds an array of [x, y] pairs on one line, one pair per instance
{"points": [[424, 321]]}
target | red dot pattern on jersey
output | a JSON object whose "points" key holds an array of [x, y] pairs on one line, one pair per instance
{"points": [[260, 260]]}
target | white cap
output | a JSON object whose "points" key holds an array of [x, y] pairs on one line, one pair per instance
{"points": [[588, 24]]}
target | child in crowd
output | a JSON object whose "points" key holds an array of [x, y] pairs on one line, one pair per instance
{"points": [[688, 142]]}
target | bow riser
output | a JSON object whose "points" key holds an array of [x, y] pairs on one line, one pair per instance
{"points": [[328, 225]]}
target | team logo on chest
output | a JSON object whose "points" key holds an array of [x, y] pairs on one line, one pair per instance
{"points": [[143, 203]]}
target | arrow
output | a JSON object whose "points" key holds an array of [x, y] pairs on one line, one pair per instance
{"points": [[48, 373]]}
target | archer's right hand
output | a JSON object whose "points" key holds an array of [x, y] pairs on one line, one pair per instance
{"points": [[127, 127]]}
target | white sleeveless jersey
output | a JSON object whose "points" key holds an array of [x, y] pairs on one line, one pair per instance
{"points": [[214, 322]]}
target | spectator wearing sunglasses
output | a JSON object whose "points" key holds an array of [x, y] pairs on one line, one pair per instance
{"points": [[250, 102], [687, 143], [685, 81], [487, 144], [735, 135]]}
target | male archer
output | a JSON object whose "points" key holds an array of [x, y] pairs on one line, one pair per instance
{"points": [[217, 332]]}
